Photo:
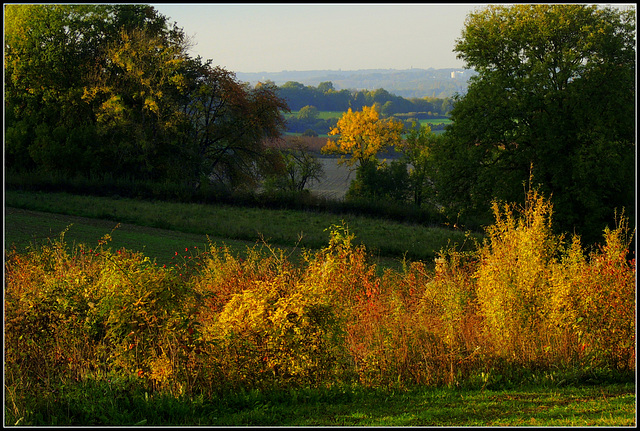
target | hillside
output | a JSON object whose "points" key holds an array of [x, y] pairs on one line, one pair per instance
{"points": [[407, 83]]}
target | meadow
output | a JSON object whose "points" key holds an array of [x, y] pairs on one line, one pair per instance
{"points": [[278, 227], [103, 335]]}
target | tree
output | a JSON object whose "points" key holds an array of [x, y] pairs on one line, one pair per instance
{"points": [[555, 93], [385, 181], [301, 167], [46, 52], [415, 153], [137, 104], [362, 135], [326, 87], [229, 124], [110, 89], [308, 113], [63, 63]]}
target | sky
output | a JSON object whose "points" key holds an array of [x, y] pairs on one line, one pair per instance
{"points": [[275, 37]]}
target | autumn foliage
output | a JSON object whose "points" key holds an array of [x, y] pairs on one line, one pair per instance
{"points": [[526, 300], [362, 135]]}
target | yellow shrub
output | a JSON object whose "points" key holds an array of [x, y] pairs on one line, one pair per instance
{"points": [[513, 277]]}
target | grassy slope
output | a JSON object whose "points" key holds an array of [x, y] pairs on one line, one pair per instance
{"points": [[386, 240], [26, 227]]}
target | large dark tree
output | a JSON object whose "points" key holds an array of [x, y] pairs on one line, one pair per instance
{"points": [[555, 93], [110, 89], [72, 72]]}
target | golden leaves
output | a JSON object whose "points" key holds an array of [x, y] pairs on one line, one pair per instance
{"points": [[363, 135]]}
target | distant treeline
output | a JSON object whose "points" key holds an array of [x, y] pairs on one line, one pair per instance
{"points": [[325, 97]]}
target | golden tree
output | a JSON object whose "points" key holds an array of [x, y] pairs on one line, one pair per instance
{"points": [[363, 134]]}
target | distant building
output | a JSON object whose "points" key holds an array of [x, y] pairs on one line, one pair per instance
{"points": [[457, 74]]}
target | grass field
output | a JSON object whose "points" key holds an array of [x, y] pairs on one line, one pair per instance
{"points": [[322, 115], [24, 228], [436, 121], [387, 241]]}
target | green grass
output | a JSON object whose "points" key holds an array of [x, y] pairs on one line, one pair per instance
{"points": [[281, 228], [436, 121], [24, 228], [118, 404], [322, 115]]}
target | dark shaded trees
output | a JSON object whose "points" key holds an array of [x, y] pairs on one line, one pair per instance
{"points": [[555, 93], [301, 167], [110, 89]]}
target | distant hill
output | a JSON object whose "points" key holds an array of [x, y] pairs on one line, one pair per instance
{"points": [[407, 83]]}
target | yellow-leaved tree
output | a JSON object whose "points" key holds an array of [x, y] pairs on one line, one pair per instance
{"points": [[363, 134]]}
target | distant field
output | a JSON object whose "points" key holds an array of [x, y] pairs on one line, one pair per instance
{"points": [[436, 121], [336, 181], [322, 115], [313, 144], [325, 115]]}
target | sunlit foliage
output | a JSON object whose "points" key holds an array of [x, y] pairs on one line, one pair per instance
{"points": [[213, 322]]}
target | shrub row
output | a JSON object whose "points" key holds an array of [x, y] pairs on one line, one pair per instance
{"points": [[525, 302]]}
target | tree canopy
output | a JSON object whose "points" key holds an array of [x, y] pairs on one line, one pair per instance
{"points": [[111, 89], [554, 94], [362, 135]]}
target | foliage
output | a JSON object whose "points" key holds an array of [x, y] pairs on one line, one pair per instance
{"points": [[555, 90], [362, 135], [415, 152], [325, 97], [522, 305], [300, 168], [111, 89], [384, 181], [544, 301], [308, 112]]}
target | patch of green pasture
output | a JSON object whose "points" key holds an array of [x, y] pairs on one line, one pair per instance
{"points": [[436, 121], [322, 115], [282, 228], [573, 406], [325, 135], [325, 115]]}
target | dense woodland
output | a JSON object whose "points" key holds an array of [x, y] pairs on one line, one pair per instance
{"points": [[110, 91], [325, 98]]}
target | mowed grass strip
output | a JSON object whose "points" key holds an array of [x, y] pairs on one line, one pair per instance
{"points": [[282, 228]]}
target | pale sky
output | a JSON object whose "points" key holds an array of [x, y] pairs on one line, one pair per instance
{"points": [[272, 37], [276, 37]]}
